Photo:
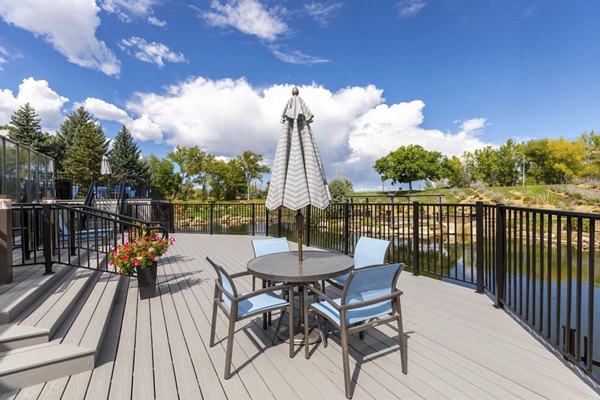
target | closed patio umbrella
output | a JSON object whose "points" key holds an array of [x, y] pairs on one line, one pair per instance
{"points": [[105, 166], [297, 178]]}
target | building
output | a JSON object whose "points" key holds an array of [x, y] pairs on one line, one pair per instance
{"points": [[25, 175]]}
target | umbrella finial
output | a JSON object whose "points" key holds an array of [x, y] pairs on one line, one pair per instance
{"points": [[295, 91]]}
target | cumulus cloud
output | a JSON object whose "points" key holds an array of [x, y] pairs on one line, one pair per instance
{"points": [[72, 32], [410, 8], [248, 16], [322, 13], [474, 125], [154, 53], [353, 126], [295, 56], [103, 110], [46, 102]]}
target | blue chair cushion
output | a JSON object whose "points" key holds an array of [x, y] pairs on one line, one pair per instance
{"points": [[340, 280], [354, 316], [261, 302]]}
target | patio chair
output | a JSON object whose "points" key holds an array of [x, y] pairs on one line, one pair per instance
{"points": [[238, 306], [262, 247], [369, 298], [368, 251]]}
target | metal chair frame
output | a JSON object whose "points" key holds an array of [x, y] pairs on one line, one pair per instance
{"points": [[347, 329], [232, 311]]}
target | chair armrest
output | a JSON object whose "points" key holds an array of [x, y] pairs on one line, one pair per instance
{"points": [[223, 291], [396, 293], [322, 296], [238, 274], [262, 291]]}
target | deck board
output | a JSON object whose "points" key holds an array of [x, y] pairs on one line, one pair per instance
{"points": [[459, 345]]}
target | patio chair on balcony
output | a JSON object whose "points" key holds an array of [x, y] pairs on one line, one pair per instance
{"points": [[368, 251], [238, 306], [369, 298], [263, 247]]}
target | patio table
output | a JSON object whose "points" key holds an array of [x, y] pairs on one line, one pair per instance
{"points": [[285, 267]]}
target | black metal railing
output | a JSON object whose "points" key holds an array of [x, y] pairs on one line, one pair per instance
{"points": [[540, 264], [74, 235]]}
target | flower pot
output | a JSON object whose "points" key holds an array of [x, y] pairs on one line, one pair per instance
{"points": [[147, 281]]}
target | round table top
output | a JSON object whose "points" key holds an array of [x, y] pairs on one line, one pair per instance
{"points": [[285, 267]]}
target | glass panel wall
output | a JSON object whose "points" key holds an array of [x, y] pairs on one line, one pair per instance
{"points": [[10, 169], [25, 175]]}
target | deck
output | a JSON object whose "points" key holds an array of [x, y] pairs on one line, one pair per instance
{"points": [[459, 346]]}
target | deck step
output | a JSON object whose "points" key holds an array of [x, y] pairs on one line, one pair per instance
{"points": [[41, 363], [41, 320], [56, 307], [17, 336], [27, 291], [78, 340]]}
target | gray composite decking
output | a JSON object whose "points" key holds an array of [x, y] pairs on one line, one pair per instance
{"points": [[459, 346]]}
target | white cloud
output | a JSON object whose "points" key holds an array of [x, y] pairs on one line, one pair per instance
{"points": [[152, 20], [3, 54], [125, 9], [46, 102], [155, 53], [296, 57], [248, 16], [474, 125], [410, 8], [322, 13], [69, 27], [353, 126], [103, 110]]}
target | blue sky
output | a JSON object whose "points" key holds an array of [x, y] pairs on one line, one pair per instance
{"points": [[451, 75]]}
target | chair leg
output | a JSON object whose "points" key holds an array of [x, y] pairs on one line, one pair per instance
{"points": [[265, 315], [321, 332], [214, 318], [345, 360], [305, 311], [291, 328], [229, 345], [277, 329], [402, 341]]}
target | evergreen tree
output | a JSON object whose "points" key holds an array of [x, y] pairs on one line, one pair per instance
{"points": [[25, 129], [84, 156], [65, 136], [126, 162]]}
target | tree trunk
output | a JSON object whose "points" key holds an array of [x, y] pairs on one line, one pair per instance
{"points": [[410, 186]]}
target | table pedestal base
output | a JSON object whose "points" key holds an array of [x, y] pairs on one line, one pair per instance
{"points": [[314, 334]]}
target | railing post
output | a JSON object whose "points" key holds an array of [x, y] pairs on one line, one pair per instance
{"points": [[172, 217], [253, 219], [308, 211], [210, 221], [346, 227], [266, 221], [500, 254], [479, 245], [6, 241], [279, 211], [72, 232], [47, 237], [415, 234]]}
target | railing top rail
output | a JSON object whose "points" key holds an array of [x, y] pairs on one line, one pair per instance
{"points": [[94, 210], [574, 214]]}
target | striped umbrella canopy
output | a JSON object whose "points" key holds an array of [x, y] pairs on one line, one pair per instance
{"points": [[105, 166], [297, 178]]}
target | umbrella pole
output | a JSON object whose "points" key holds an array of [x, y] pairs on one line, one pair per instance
{"points": [[300, 230]]}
